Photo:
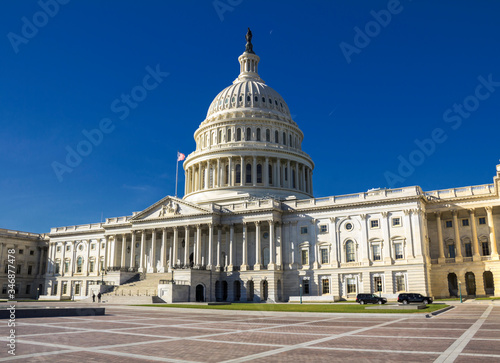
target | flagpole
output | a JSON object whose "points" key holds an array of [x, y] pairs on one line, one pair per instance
{"points": [[176, 172]]}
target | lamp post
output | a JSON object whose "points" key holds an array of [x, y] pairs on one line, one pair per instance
{"points": [[300, 285], [460, 290], [102, 275]]}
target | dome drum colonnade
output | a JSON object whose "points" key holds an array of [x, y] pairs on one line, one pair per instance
{"points": [[248, 145]]}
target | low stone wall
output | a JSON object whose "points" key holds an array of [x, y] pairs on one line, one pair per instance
{"points": [[324, 298]]}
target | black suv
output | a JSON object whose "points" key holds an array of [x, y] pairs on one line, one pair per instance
{"points": [[414, 298], [370, 299]]}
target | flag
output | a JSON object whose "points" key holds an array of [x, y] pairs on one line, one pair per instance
{"points": [[180, 156]]}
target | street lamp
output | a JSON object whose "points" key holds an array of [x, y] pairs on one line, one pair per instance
{"points": [[460, 290], [300, 292], [102, 275]]}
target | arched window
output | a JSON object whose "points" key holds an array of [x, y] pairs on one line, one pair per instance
{"points": [[228, 135], [284, 138], [238, 174], [248, 173], [276, 137], [259, 173], [203, 178], [290, 143], [226, 178], [350, 252], [293, 179], [249, 134], [270, 173], [79, 264], [286, 174], [210, 178], [258, 134], [268, 135], [238, 134], [220, 137]]}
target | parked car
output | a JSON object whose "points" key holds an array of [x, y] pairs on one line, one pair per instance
{"points": [[407, 298], [370, 299]]}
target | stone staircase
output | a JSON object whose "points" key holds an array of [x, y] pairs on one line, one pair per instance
{"points": [[147, 286]]}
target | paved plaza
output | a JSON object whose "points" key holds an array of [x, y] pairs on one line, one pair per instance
{"points": [[467, 333]]}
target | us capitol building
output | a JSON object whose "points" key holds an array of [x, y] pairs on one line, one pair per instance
{"points": [[249, 229]]}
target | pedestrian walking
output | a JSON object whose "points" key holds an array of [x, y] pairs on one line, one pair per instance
{"points": [[99, 297], [93, 297]]}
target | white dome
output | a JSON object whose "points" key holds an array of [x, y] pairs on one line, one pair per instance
{"points": [[249, 95]]}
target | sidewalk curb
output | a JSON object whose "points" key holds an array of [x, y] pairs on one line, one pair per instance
{"points": [[437, 312]]}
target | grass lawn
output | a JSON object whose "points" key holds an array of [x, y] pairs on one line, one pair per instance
{"points": [[312, 308], [488, 298]]}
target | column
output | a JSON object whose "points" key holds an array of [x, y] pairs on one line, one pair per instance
{"points": [[142, 251], [174, 247], [254, 171], [244, 264], [198, 245], [163, 249], [266, 172], [289, 182], [132, 252], [278, 172], [315, 246], [271, 246], [311, 181], [219, 237], [334, 238], [475, 243], [493, 238], [207, 172], [210, 246], [218, 174], [124, 251], [387, 248], [458, 242], [365, 245], [106, 243], [302, 179], [258, 262], [153, 251], [186, 246], [409, 235], [230, 172], [296, 168], [200, 175], [242, 171], [279, 245], [440, 238], [231, 240]]}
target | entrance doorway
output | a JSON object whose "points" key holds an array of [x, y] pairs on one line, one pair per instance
{"points": [[200, 293], [452, 284], [264, 290], [489, 285], [250, 291], [237, 290], [224, 290], [470, 283]]}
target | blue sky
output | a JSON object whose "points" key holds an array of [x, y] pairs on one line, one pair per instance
{"points": [[363, 80]]}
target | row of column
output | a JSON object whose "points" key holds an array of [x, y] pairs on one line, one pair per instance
{"points": [[221, 172], [475, 242]]}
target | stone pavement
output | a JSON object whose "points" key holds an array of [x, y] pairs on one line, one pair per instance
{"points": [[467, 333]]}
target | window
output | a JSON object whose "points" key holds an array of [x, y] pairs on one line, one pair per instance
{"points": [[259, 173], [276, 137], [398, 251], [248, 135], [258, 135], [77, 289], [21, 251], [28, 289], [66, 266], [58, 266], [284, 138], [303, 230], [449, 224], [32, 253], [376, 252], [219, 137], [268, 135], [350, 251], [400, 283], [374, 223], [256, 98], [64, 287], [248, 174], [325, 284], [305, 257], [396, 222], [80, 247], [79, 264], [323, 228], [290, 143], [486, 248], [349, 226], [465, 222], [293, 179], [58, 248], [92, 246], [468, 249], [30, 269], [238, 174], [19, 269], [91, 266], [482, 220], [103, 245], [270, 173], [226, 176], [68, 247], [324, 256], [377, 284], [4, 289], [228, 135], [238, 134], [306, 287], [54, 290], [451, 250], [351, 285]]}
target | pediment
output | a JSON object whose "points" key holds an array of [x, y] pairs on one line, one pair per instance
{"points": [[170, 207]]}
